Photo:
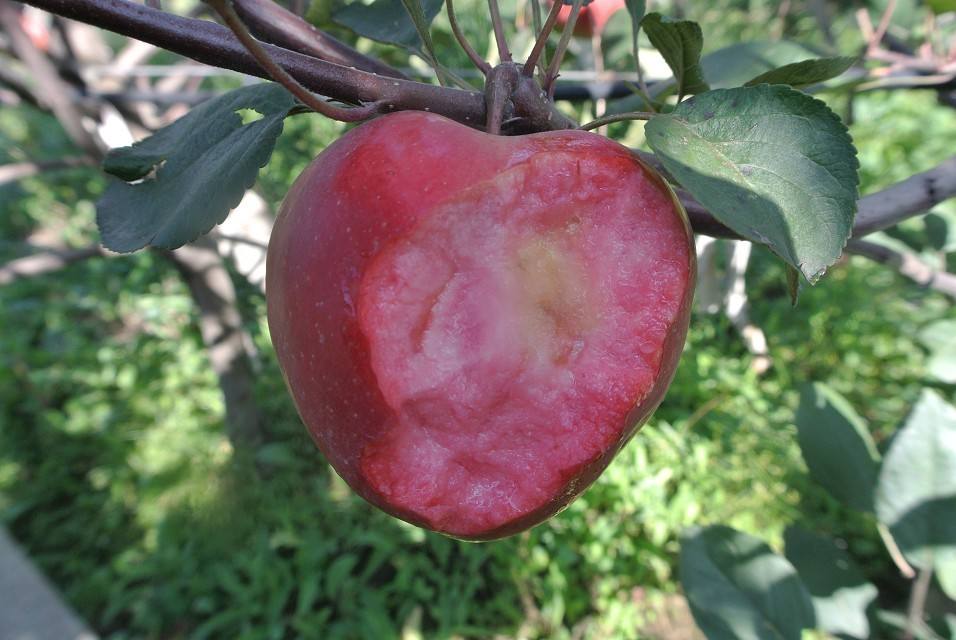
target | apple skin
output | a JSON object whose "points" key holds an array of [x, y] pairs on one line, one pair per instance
{"points": [[593, 18], [439, 394]]}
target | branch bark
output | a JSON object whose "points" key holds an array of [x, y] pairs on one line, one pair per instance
{"points": [[212, 290], [50, 260], [272, 23], [906, 199], [907, 264]]}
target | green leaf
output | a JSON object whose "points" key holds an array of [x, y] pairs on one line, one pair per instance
{"points": [[839, 591], [739, 589], [837, 447], [916, 494], [388, 21], [807, 72], [793, 284], [636, 10], [938, 338], [680, 43], [734, 65], [193, 171], [941, 6], [773, 164]]}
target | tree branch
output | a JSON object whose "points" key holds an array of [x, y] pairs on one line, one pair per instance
{"points": [[220, 324], [907, 264], [48, 261], [216, 45], [20, 170], [906, 199], [272, 23]]}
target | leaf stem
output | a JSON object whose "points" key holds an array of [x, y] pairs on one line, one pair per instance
{"points": [[351, 114], [914, 614], [476, 59], [538, 52], [552, 74], [498, 25], [617, 117], [893, 549]]}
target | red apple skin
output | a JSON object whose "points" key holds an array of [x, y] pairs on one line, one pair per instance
{"points": [[593, 18], [471, 326]]}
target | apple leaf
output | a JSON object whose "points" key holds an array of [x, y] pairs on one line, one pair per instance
{"points": [[680, 43], [806, 72], [388, 21], [739, 589], [916, 494], [191, 173], [635, 10], [734, 65], [837, 587], [774, 164], [837, 447]]}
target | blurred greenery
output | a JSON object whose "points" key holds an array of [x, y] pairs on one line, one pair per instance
{"points": [[116, 475]]}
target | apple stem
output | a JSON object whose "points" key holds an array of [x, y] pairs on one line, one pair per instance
{"points": [[350, 114], [552, 73], [499, 88], [539, 45], [503, 53], [617, 117], [478, 61]]}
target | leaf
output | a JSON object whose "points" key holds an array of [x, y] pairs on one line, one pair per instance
{"points": [[837, 447], [203, 164], [635, 10], [736, 64], [773, 164], [916, 494], [837, 587], [807, 72], [938, 339], [739, 589], [387, 20], [680, 43], [793, 284]]}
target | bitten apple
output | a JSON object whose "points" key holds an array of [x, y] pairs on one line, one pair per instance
{"points": [[471, 326]]}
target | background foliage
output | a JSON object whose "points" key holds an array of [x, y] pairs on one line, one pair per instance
{"points": [[116, 474]]}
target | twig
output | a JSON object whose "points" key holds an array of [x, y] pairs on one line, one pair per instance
{"points": [[895, 554], [906, 198], [50, 260], [280, 75], [914, 614], [883, 25], [552, 73], [20, 170], [476, 59], [538, 51], [497, 24], [616, 117], [907, 264], [52, 89], [272, 23], [500, 86]]}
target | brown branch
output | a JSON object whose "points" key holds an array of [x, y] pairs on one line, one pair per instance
{"points": [[907, 264], [272, 23], [20, 170], [216, 45], [906, 198], [48, 261], [220, 324], [53, 91], [280, 75], [469, 50]]}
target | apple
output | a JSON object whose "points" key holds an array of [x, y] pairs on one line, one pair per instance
{"points": [[471, 326], [593, 17]]}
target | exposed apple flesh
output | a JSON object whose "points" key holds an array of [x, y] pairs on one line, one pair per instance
{"points": [[471, 326]]}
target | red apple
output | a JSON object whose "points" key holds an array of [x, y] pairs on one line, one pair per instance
{"points": [[471, 326], [593, 17]]}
